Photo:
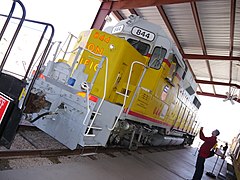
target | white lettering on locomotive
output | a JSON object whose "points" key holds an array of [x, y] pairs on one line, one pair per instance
{"points": [[142, 33]]}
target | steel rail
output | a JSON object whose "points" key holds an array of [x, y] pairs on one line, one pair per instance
{"points": [[88, 151]]}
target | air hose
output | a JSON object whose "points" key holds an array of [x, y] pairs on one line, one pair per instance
{"points": [[41, 115]]}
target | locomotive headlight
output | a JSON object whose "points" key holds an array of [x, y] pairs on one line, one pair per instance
{"points": [[125, 125], [111, 47]]}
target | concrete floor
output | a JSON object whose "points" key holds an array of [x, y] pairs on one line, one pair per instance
{"points": [[165, 165]]}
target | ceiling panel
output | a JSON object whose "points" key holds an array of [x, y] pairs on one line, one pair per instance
{"points": [[125, 13], [220, 69], [182, 21], [151, 14], [207, 88], [236, 72], [199, 68], [221, 89]]}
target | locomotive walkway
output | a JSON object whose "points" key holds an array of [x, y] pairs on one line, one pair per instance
{"points": [[165, 165]]}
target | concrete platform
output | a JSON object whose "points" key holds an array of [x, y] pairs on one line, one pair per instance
{"points": [[165, 165]]}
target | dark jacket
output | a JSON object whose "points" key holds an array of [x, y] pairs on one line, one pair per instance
{"points": [[207, 145]]}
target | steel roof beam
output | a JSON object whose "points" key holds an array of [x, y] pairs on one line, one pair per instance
{"points": [[198, 26], [201, 38], [211, 94], [133, 11], [130, 4], [209, 57], [104, 10], [174, 36], [215, 95], [232, 25], [217, 83], [118, 15], [200, 88], [170, 29]]}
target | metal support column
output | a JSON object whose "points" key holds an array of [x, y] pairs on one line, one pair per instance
{"points": [[104, 10]]}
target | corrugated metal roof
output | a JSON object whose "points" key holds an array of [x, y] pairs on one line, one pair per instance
{"points": [[215, 23], [204, 31]]}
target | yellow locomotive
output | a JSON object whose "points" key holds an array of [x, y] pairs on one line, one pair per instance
{"points": [[126, 86]]}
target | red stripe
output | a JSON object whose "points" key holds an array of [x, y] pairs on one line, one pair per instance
{"points": [[177, 75], [167, 62], [147, 118], [148, 55]]}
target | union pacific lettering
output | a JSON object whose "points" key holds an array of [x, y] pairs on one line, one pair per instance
{"points": [[95, 48], [89, 63]]}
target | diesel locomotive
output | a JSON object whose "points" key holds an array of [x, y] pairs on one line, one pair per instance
{"points": [[127, 86]]}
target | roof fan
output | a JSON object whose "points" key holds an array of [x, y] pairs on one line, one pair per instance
{"points": [[231, 95]]}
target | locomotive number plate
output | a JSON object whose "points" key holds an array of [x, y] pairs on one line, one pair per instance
{"points": [[142, 33], [117, 29], [4, 102]]}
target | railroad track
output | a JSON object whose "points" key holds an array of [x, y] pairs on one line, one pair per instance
{"points": [[90, 151], [81, 151], [39, 147]]}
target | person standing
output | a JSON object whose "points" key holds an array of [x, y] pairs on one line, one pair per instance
{"points": [[204, 152], [225, 150]]}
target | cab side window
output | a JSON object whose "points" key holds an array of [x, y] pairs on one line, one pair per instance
{"points": [[157, 57]]}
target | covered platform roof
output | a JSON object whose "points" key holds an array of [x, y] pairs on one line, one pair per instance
{"points": [[206, 32]]}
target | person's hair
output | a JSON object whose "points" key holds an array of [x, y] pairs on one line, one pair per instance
{"points": [[216, 132]]}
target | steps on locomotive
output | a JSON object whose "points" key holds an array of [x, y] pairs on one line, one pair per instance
{"points": [[100, 130]]}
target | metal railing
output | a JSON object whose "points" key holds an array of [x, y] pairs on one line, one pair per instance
{"points": [[43, 57], [9, 16]]}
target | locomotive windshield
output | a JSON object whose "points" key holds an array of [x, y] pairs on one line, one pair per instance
{"points": [[141, 47]]}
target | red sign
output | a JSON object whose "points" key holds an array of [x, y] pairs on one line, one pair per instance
{"points": [[4, 102]]}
